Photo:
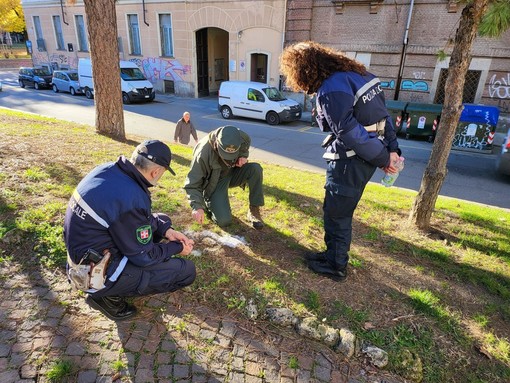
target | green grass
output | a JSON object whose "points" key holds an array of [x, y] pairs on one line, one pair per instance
{"points": [[119, 365], [60, 371], [313, 303], [406, 290], [293, 362]]}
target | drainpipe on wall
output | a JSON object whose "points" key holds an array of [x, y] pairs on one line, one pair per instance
{"points": [[63, 13], [403, 55], [284, 23], [280, 82], [144, 10]]}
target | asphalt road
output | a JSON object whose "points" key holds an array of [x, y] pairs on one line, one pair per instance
{"points": [[471, 175]]}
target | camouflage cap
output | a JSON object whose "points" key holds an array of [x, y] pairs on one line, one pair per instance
{"points": [[229, 142]]}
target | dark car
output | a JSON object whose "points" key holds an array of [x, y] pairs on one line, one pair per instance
{"points": [[503, 158], [36, 77]]}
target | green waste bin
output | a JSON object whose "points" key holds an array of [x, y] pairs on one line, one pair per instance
{"points": [[397, 111], [422, 120]]}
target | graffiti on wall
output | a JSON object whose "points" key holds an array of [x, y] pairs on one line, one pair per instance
{"points": [[63, 61], [156, 69], [55, 60], [415, 86], [388, 84], [408, 85], [419, 75], [499, 87], [40, 58], [499, 91]]}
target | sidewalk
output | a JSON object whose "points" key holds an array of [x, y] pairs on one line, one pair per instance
{"points": [[42, 322]]}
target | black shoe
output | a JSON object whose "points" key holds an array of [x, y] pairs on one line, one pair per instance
{"points": [[316, 256], [325, 268], [114, 308]]}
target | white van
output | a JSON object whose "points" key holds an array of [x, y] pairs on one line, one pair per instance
{"points": [[134, 85], [256, 100]]}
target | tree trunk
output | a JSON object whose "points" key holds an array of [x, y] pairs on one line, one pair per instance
{"points": [[104, 54], [436, 171]]}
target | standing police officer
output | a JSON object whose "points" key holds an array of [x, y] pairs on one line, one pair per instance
{"points": [[116, 246], [350, 105]]}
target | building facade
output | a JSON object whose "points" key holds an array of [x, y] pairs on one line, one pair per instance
{"points": [[184, 47], [373, 31], [190, 47]]}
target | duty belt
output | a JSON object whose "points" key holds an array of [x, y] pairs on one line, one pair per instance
{"points": [[90, 277], [378, 127]]}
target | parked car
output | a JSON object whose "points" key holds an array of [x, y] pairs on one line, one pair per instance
{"points": [[134, 85], [36, 77], [503, 158], [256, 100], [66, 81]]}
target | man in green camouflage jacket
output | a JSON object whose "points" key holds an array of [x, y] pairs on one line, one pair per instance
{"points": [[220, 162]]}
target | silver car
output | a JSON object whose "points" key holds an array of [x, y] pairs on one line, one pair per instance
{"points": [[66, 81], [503, 159]]}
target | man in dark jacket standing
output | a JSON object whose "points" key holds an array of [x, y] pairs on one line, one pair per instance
{"points": [[220, 161], [184, 129], [116, 246], [350, 105]]}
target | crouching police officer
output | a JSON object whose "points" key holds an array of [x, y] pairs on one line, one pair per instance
{"points": [[116, 246]]}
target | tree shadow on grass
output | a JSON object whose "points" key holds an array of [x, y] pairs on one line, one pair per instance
{"points": [[127, 141]]}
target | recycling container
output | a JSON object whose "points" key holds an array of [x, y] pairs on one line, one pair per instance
{"points": [[476, 128], [423, 119], [397, 111]]}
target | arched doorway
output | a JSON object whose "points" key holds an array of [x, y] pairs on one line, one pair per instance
{"points": [[212, 60], [258, 66]]}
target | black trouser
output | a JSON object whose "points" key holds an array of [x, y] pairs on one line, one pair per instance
{"points": [[345, 181], [168, 276]]}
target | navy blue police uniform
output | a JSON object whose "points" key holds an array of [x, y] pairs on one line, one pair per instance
{"points": [[351, 107], [111, 210]]}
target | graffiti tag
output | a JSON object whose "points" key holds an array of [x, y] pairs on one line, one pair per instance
{"points": [[388, 84], [419, 75], [472, 136], [415, 86], [499, 87], [409, 85], [156, 69]]}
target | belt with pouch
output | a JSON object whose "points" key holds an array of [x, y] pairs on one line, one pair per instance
{"points": [[378, 127], [90, 274]]}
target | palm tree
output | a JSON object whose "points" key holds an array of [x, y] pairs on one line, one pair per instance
{"points": [[491, 18]]}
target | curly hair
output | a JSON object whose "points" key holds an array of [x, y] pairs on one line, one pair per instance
{"points": [[307, 64]]}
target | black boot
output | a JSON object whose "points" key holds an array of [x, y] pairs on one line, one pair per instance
{"points": [[316, 256], [325, 268], [114, 308]]}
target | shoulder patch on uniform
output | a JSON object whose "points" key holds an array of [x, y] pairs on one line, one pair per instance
{"points": [[144, 234]]}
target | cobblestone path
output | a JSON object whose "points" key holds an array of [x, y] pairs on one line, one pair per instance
{"points": [[42, 322]]}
